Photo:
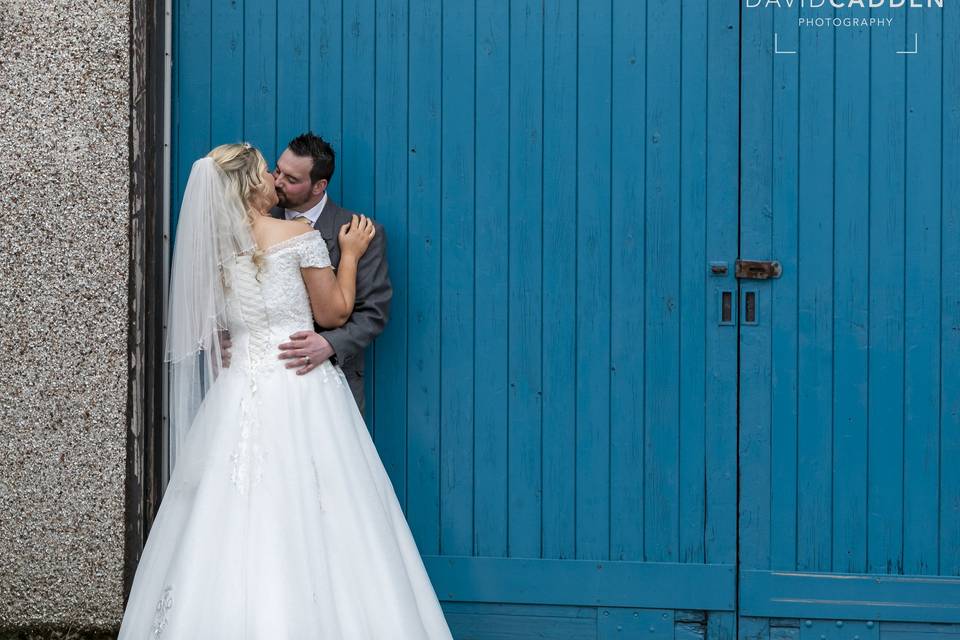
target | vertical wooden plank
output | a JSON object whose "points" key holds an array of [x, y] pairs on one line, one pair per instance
{"points": [[950, 296], [593, 279], [457, 277], [525, 273], [423, 366], [226, 76], [359, 134], [192, 125], [756, 211], [921, 468], [785, 184], [490, 287], [815, 300], [175, 93], [260, 75], [359, 126], [626, 275], [559, 277], [662, 334], [692, 310], [721, 625], [887, 280], [753, 629], [722, 230], [391, 153], [293, 71], [326, 73], [851, 273]]}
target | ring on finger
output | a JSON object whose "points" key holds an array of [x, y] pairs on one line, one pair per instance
{"points": [[306, 360]]}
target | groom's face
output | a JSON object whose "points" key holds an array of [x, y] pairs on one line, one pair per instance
{"points": [[292, 177]]}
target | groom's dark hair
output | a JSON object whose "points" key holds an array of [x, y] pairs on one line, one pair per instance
{"points": [[310, 145]]}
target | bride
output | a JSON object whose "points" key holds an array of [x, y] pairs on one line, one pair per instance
{"points": [[279, 521]]}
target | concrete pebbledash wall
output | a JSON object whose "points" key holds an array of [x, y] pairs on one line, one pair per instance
{"points": [[64, 216]]}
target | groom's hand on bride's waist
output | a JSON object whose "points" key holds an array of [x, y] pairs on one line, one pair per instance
{"points": [[223, 337], [305, 351]]}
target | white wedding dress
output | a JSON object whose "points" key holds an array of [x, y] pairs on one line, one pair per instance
{"points": [[279, 521]]}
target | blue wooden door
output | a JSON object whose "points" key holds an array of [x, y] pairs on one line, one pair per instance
{"points": [[574, 382], [849, 381], [555, 395]]}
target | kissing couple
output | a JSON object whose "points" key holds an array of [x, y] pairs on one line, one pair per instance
{"points": [[279, 520]]}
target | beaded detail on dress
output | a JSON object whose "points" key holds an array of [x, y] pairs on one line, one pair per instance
{"points": [[164, 605]]}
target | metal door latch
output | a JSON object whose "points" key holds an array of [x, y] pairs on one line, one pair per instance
{"points": [[758, 269]]}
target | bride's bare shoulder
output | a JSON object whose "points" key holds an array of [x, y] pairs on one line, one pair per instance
{"points": [[271, 231]]}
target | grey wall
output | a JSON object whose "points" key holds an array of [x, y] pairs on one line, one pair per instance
{"points": [[64, 182]]}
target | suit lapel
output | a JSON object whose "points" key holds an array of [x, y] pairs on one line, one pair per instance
{"points": [[328, 228]]}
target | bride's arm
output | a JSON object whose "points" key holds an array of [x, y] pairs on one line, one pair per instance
{"points": [[332, 296]]}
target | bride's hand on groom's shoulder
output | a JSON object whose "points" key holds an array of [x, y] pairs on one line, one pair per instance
{"points": [[355, 236]]}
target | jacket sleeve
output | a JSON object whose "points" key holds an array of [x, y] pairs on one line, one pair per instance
{"points": [[371, 309]]}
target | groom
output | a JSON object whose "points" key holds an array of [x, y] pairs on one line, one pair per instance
{"points": [[302, 174]]}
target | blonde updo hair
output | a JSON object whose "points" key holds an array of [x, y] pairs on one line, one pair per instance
{"points": [[243, 166]]}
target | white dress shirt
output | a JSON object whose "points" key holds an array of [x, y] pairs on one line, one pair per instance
{"points": [[312, 214]]}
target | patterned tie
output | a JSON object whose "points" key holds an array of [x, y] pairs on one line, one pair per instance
{"points": [[304, 219]]}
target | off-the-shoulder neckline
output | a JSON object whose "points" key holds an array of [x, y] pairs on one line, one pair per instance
{"points": [[276, 246]]}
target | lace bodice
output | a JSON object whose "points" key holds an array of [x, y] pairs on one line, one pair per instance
{"points": [[265, 306]]}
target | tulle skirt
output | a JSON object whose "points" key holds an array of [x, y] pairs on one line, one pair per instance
{"points": [[280, 522]]}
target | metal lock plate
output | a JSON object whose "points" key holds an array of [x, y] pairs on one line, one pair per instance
{"points": [[758, 269]]}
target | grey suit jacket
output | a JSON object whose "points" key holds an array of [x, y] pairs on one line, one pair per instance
{"points": [[372, 305]]}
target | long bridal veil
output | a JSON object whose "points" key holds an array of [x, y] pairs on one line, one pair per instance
{"points": [[212, 229]]}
